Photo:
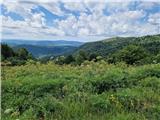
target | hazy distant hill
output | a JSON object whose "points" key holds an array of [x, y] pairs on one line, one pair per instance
{"points": [[14, 42], [44, 48], [108, 46], [41, 51]]}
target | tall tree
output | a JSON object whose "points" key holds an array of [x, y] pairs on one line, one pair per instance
{"points": [[130, 54], [93, 56], [81, 57], [69, 59], [23, 54], [6, 51]]}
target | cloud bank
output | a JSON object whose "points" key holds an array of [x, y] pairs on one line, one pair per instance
{"points": [[84, 20]]}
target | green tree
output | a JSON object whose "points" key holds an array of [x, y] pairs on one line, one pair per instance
{"points": [[81, 57], [60, 60], [131, 54], [2, 58], [6, 51], [69, 59], [157, 58], [23, 54], [16, 61], [93, 56]]}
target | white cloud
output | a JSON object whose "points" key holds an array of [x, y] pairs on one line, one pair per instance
{"points": [[134, 15], [147, 5], [68, 25], [120, 20], [8, 22], [116, 6], [96, 8], [53, 7], [22, 9], [154, 18], [34, 27], [83, 31], [73, 6], [37, 20]]}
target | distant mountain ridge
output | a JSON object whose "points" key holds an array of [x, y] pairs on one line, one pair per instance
{"points": [[44, 48], [14, 42], [43, 51]]}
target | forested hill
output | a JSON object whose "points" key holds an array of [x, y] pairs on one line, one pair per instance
{"points": [[111, 45], [43, 48], [41, 51]]}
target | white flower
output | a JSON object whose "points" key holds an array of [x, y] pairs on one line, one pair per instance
{"points": [[8, 111]]}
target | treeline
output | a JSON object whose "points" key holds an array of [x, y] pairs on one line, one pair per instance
{"points": [[131, 54], [134, 55], [17, 57], [77, 59], [130, 50]]}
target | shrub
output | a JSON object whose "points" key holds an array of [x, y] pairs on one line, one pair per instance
{"points": [[131, 54], [99, 104], [51, 106], [15, 61]]}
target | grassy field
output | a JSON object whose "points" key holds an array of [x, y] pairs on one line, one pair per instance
{"points": [[92, 91]]}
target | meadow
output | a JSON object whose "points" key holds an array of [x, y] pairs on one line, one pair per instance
{"points": [[91, 91]]}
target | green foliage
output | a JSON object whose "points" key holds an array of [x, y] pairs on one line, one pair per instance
{"points": [[16, 61], [60, 60], [112, 45], [22, 53], [131, 54], [93, 57], [81, 57], [6, 51], [156, 59], [92, 91], [50, 107], [99, 104], [69, 59], [18, 57], [2, 58]]}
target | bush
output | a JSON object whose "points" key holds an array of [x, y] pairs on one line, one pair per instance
{"points": [[99, 104], [81, 57], [111, 80], [15, 61], [131, 54], [50, 107], [69, 59]]}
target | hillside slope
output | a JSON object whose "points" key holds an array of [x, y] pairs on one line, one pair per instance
{"points": [[108, 46], [41, 51]]}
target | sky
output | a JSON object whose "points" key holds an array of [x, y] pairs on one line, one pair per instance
{"points": [[85, 20]]}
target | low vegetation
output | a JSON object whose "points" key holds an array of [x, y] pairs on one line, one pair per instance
{"points": [[11, 57], [94, 90]]}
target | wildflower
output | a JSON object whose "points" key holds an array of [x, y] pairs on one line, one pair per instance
{"points": [[8, 111]]}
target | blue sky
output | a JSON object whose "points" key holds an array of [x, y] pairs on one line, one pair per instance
{"points": [[82, 21]]}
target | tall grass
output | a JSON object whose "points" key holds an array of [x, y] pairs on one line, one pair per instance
{"points": [[92, 91]]}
